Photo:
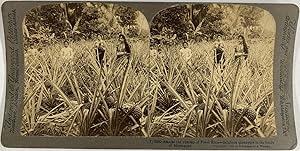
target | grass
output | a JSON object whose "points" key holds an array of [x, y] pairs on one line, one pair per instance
{"points": [[149, 96]]}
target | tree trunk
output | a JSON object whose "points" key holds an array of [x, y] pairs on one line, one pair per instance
{"points": [[191, 15], [64, 6]]}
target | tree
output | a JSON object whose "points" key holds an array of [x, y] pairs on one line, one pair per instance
{"points": [[197, 15], [171, 21], [77, 20], [207, 20], [241, 18], [126, 16], [188, 19]]}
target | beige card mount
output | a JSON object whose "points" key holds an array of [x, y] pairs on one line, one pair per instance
{"points": [[151, 75]]}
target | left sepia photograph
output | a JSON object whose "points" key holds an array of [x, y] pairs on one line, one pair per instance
{"points": [[85, 70]]}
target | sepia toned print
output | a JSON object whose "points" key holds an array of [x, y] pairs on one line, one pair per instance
{"points": [[213, 76], [85, 70], [98, 69]]}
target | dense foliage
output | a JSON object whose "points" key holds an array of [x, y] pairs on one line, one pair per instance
{"points": [[207, 20], [79, 21]]}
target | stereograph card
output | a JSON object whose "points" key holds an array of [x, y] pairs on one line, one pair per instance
{"points": [[149, 75]]}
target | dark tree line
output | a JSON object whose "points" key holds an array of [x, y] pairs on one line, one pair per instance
{"points": [[207, 20], [79, 21], [87, 20]]}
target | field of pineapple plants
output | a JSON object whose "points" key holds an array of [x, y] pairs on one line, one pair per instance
{"points": [[149, 96]]}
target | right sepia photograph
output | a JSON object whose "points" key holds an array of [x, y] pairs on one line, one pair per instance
{"points": [[211, 72]]}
